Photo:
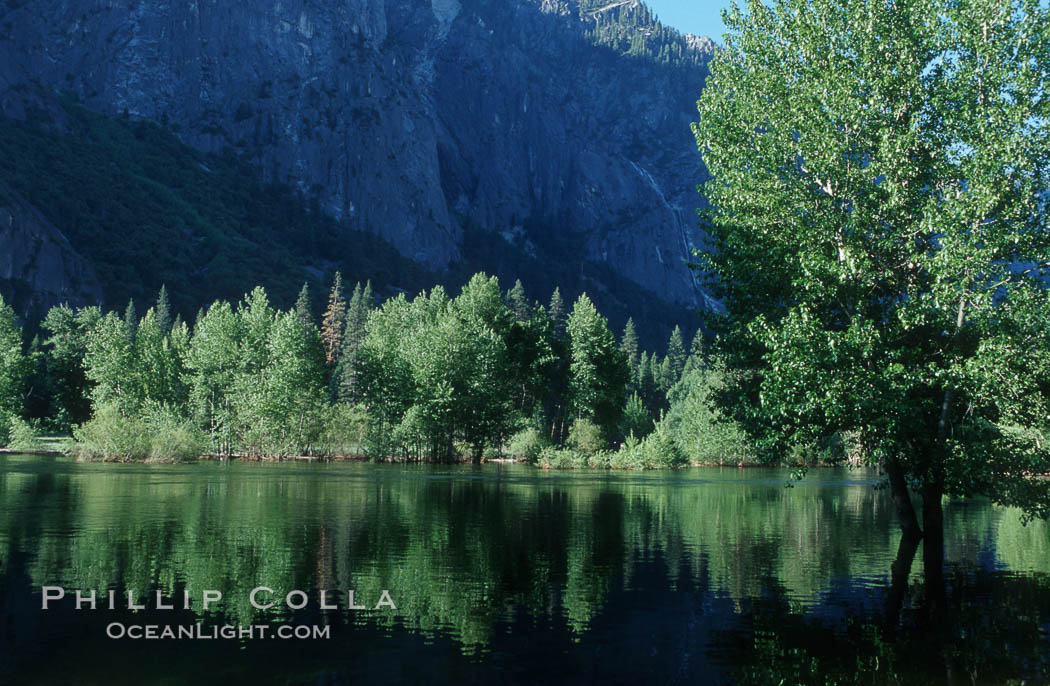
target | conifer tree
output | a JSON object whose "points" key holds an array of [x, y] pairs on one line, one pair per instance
{"points": [[163, 311], [556, 311], [334, 321], [355, 319], [303, 307], [518, 303], [367, 299], [676, 356], [646, 385], [665, 376], [629, 344], [131, 322]]}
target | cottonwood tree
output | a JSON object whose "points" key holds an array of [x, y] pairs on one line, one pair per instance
{"points": [[878, 215], [14, 366]]}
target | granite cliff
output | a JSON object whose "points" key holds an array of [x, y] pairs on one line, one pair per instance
{"points": [[551, 123]]}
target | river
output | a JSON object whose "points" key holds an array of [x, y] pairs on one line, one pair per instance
{"points": [[499, 573]]}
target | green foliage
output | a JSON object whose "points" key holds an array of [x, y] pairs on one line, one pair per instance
{"points": [[554, 458], [14, 366], [585, 437], [702, 431], [344, 431], [23, 435], [447, 359], [636, 420], [879, 235], [429, 378], [527, 444], [598, 371], [632, 29], [66, 347], [156, 433], [676, 356]]}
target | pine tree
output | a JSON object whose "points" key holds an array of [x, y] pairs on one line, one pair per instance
{"points": [[665, 375], [367, 299], [556, 310], [676, 356], [303, 308], [355, 319], [334, 322], [646, 385], [163, 311], [697, 354], [629, 345], [343, 385], [131, 322], [518, 303]]}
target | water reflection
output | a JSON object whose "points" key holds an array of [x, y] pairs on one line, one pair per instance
{"points": [[550, 576]]}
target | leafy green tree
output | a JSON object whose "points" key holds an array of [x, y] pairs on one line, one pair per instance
{"points": [[598, 371], [878, 216], [702, 430], [255, 317], [158, 369], [213, 362], [293, 390], [533, 362], [665, 378], [487, 389], [109, 363], [386, 384], [65, 347], [14, 366]]}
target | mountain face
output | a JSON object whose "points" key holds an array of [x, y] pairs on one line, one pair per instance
{"points": [[559, 125], [38, 265]]}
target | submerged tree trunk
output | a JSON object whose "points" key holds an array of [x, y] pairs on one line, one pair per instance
{"points": [[911, 534], [900, 570], [933, 547], [902, 500]]}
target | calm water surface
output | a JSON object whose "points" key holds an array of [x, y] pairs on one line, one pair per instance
{"points": [[506, 573]]}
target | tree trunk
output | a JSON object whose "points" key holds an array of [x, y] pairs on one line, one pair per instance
{"points": [[933, 547], [911, 534], [902, 500], [899, 573]]}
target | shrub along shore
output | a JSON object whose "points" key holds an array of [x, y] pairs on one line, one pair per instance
{"points": [[485, 374]]}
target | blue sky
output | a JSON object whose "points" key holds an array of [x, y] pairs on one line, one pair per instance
{"points": [[691, 16]]}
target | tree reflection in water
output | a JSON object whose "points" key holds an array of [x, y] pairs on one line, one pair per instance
{"points": [[711, 576]]}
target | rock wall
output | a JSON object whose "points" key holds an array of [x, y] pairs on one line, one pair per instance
{"points": [[408, 118]]}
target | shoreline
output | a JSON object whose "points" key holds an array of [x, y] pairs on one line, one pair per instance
{"points": [[212, 457]]}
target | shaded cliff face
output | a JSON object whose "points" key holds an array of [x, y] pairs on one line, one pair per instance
{"points": [[409, 119], [38, 266]]}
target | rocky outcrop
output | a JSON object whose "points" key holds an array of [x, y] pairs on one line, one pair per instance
{"points": [[408, 118], [38, 266]]}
